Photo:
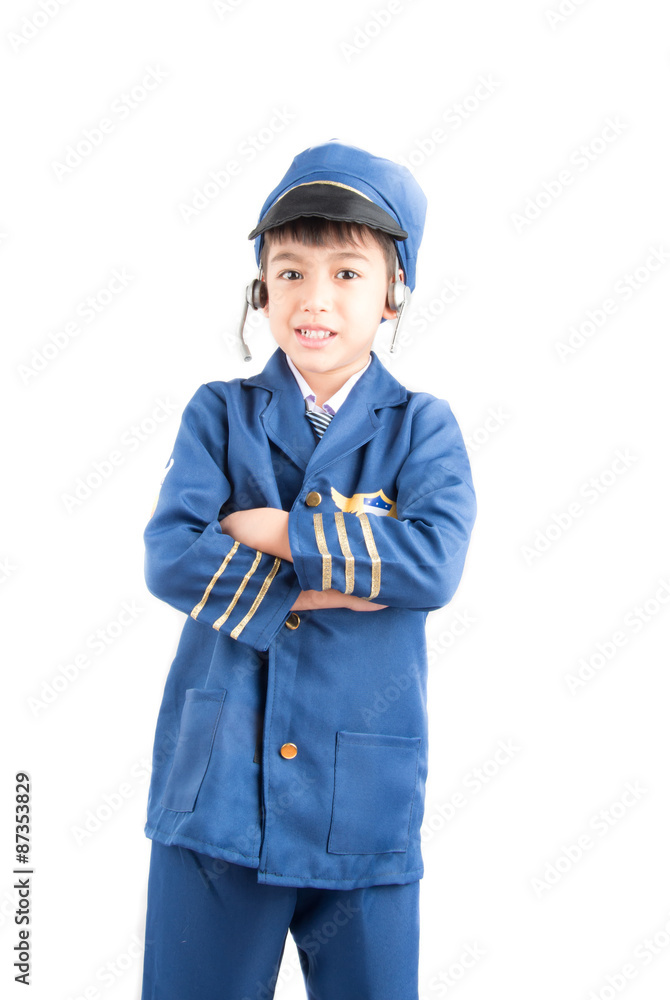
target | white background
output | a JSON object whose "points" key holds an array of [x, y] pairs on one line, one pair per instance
{"points": [[531, 257]]}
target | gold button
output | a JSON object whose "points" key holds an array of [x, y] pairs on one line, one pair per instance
{"points": [[293, 620], [313, 499], [288, 750]]}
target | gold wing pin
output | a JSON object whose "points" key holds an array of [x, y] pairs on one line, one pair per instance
{"points": [[378, 503]]}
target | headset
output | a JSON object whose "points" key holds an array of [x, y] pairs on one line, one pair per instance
{"points": [[397, 298], [256, 297]]}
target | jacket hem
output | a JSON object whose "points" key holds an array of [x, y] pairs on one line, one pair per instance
{"points": [[201, 847], [275, 878], [395, 878]]}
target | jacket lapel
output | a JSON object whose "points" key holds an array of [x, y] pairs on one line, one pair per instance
{"points": [[355, 423], [280, 420]]}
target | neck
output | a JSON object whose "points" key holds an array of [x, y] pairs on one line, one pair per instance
{"points": [[326, 384]]}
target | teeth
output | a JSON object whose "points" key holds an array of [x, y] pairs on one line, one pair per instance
{"points": [[316, 334]]}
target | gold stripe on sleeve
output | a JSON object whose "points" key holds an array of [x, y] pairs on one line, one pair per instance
{"points": [[323, 549], [219, 621], [374, 555], [198, 608], [259, 597], [346, 552]]}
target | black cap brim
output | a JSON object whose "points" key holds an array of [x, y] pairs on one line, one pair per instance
{"points": [[328, 200]]}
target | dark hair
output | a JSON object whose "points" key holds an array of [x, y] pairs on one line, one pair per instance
{"points": [[316, 231]]}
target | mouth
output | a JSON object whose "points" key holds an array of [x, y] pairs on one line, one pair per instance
{"points": [[314, 336]]}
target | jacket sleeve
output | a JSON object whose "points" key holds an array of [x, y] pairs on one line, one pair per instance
{"points": [[189, 562], [415, 560]]}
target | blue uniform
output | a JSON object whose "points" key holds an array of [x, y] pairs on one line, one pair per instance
{"points": [[214, 933], [276, 746]]}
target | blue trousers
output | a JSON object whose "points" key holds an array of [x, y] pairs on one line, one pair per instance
{"points": [[214, 933]]}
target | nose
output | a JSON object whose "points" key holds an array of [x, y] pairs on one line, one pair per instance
{"points": [[316, 293]]}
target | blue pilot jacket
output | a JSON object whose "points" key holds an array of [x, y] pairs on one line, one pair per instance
{"points": [[297, 742]]}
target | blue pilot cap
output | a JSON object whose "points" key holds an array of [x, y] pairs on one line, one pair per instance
{"points": [[337, 181]]}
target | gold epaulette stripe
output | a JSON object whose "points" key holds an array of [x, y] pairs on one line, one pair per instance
{"points": [[219, 621], [346, 552], [259, 597], [372, 552], [198, 608], [323, 549]]}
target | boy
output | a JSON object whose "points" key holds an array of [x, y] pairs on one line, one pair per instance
{"points": [[309, 518]]}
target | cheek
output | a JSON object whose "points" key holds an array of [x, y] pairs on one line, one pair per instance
{"points": [[279, 299], [373, 308]]}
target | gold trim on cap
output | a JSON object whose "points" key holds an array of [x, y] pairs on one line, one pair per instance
{"points": [[338, 184]]}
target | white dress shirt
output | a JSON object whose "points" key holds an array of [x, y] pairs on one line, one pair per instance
{"points": [[333, 404]]}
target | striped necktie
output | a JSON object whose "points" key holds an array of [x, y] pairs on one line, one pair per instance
{"points": [[318, 420]]}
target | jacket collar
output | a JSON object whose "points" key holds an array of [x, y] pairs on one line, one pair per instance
{"points": [[351, 427]]}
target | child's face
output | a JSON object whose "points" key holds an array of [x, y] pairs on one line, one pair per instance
{"points": [[341, 289]]}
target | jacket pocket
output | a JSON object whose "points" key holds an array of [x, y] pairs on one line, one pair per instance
{"points": [[375, 784], [197, 729]]}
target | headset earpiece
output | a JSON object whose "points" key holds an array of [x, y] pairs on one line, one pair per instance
{"points": [[397, 298], [396, 290], [257, 293], [256, 296]]}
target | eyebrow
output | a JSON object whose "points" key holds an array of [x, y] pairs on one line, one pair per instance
{"points": [[339, 255]]}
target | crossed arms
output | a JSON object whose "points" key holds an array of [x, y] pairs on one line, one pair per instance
{"points": [[242, 574], [266, 528]]}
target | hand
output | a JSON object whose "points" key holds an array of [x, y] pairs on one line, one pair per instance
{"points": [[312, 600]]}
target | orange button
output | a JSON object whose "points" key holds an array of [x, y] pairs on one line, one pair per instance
{"points": [[313, 499], [292, 621], [288, 750]]}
